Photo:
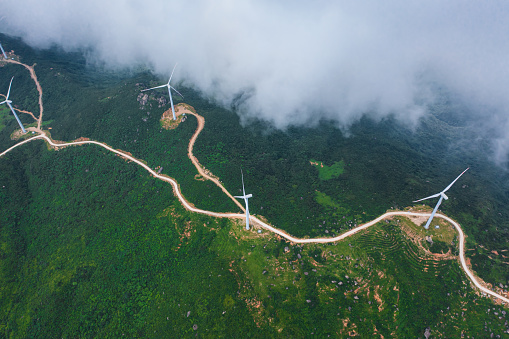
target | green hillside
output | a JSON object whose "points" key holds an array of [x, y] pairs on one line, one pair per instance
{"points": [[92, 246]]}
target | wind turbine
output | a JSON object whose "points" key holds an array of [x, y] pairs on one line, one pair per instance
{"points": [[169, 91], [3, 52], [8, 102], [245, 197], [442, 197]]}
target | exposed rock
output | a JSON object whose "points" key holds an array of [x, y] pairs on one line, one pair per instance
{"points": [[142, 99], [428, 239]]}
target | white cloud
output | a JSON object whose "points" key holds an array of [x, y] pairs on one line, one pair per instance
{"points": [[300, 61]]}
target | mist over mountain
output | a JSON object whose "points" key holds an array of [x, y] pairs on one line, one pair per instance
{"points": [[296, 63]]}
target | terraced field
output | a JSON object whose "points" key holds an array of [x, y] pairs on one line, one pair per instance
{"points": [[426, 286]]}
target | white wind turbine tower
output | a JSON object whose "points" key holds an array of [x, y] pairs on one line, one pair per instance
{"points": [[3, 52], [245, 197], [442, 196], [8, 102], [1, 48], [169, 91]]}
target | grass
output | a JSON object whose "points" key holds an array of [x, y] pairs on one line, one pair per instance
{"points": [[326, 201], [328, 172]]}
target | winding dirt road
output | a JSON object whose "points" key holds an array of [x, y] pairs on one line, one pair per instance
{"points": [[255, 220], [270, 228], [202, 170]]}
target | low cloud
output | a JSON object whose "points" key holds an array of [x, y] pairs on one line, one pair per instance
{"points": [[297, 62]]}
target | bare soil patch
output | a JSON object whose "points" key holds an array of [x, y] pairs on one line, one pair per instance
{"points": [[167, 121]]}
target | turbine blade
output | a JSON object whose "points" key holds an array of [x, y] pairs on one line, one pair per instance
{"points": [[431, 196], [243, 191], [452, 183], [9, 91], [238, 196], [148, 89], [3, 52], [17, 119], [433, 213], [173, 88], [172, 74]]}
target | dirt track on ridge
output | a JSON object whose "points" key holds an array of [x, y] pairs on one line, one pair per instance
{"points": [[255, 220], [202, 170]]}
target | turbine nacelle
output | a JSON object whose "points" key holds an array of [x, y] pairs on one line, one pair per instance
{"points": [[243, 196], [169, 92], [444, 196]]}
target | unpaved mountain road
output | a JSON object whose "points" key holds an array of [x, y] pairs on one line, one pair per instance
{"points": [[202, 170], [270, 228], [256, 221]]}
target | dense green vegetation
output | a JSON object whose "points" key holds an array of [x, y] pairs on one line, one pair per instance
{"points": [[5, 116], [93, 246], [84, 104], [386, 166]]}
